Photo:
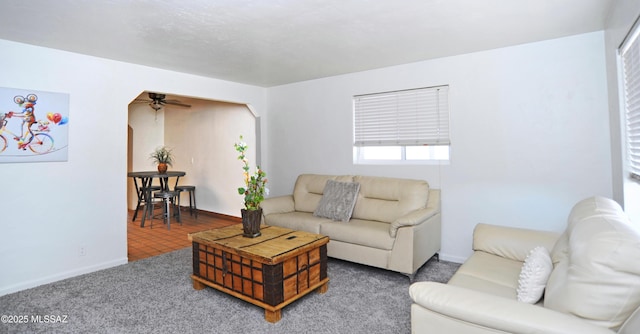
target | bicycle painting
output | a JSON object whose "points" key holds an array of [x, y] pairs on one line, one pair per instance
{"points": [[27, 137]]}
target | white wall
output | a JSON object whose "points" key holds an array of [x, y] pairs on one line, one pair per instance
{"points": [[202, 139], [148, 126], [626, 191], [48, 211], [529, 131]]}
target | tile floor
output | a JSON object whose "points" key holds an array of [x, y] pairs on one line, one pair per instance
{"points": [[145, 241]]}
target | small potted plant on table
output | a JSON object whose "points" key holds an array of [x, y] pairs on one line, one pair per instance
{"points": [[253, 191], [163, 157]]}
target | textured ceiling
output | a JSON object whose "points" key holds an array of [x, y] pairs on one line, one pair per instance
{"points": [[274, 42]]}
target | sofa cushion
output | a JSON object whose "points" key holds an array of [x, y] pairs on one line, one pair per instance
{"points": [[489, 273], [300, 221], [597, 276], [309, 188], [360, 232], [338, 200], [534, 275], [583, 209], [387, 199]]}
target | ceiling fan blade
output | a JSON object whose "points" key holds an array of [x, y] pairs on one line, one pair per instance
{"points": [[176, 103], [160, 99]]}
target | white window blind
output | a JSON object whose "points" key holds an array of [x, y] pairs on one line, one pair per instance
{"points": [[402, 118], [630, 54]]}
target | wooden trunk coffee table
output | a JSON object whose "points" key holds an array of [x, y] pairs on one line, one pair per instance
{"points": [[270, 271]]}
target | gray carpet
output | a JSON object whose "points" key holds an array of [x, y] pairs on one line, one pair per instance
{"points": [[155, 295]]}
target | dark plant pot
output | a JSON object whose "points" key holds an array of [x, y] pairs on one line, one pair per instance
{"points": [[251, 222], [162, 168]]}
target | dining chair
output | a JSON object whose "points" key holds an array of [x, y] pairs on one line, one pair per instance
{"points": [[192, 197], [169, 199], [147, 200]]}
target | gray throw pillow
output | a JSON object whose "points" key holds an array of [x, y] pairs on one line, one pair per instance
{"points": [[338, 200]]}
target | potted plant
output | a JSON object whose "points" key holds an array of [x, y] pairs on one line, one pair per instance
{"points": [[163, 157], [254, 191]]}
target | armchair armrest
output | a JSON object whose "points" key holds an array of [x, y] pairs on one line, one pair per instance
{"points": [[510, 242], [412, 218], [278, 204], [499, 313]]}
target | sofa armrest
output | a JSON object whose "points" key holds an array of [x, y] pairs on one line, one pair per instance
{"points": [[412, 218], [510, 242], [499, 313], [278, 204]]}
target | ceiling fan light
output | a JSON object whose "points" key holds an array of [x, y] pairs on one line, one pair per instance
{"points": [[155, 105]]}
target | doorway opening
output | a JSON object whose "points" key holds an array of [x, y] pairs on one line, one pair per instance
{"points": [[201, 137]]}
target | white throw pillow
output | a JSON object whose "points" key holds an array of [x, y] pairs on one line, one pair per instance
{"points": [[534, 275]]}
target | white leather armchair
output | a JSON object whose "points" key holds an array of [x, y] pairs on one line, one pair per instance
{"points": [[594, 286]]}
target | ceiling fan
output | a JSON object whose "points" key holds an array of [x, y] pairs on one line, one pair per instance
{"points": [[157, 101]]}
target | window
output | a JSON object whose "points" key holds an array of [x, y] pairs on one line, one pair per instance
{"points": [[630, 60], [402, 126]]}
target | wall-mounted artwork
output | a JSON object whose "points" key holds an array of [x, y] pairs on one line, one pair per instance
{"points": [[34, 126]]}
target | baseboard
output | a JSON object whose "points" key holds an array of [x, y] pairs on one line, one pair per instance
{"points": [[216, 215], [452, 258], [61, 276]]}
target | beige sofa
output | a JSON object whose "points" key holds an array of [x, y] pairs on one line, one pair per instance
{"points": [[395, 223], [593, 287]]}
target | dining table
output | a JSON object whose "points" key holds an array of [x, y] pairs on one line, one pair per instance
{"points": [[143, 180]]}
